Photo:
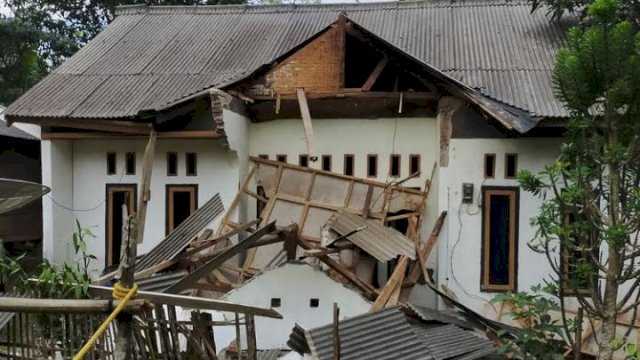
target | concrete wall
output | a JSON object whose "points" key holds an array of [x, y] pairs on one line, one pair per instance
{"points": [[459, 245], [308, 282]]}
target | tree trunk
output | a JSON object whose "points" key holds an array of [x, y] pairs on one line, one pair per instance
{"points": [[609, 320]]}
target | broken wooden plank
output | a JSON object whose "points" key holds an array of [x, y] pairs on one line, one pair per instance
{"points": [[220, 259], [368, 290], [413, 235], [308, 128], [68, 306], [320, 252], [291, 242], [375, 74], [395, 282], [414, 273]]}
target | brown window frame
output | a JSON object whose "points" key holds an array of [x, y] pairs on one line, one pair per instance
{"points": [[281, 158], [171, 188], [493, 169], [514, 212], [419, 162], [169, 154], [195, 164], [353, 164], [515, 165], [127, 170], [326, 159], [391, 157], [108, 214], [369, 173], [115, 163]]}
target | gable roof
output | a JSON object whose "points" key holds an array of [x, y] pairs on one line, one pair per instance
{"points": [[12, 131], [153, 56]]}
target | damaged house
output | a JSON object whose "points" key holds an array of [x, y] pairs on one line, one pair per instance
{"points": [[335, 123]]}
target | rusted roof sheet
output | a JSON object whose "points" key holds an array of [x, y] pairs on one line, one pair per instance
{"points": [[153, 56], [383, 243], [389, 334], [180, 237]]}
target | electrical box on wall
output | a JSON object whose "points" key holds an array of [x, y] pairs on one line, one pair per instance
{"points": [[467, 193]]}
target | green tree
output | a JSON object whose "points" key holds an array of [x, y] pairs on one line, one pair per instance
{"points": [[628, 9], [591, 194]]}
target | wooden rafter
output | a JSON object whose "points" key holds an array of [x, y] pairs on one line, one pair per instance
{"points": [[308, 127], [375, 74]]}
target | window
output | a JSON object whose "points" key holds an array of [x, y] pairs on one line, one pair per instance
{"points": [[111, 163], [489, 166], [326, 162], [303, 160], [314, 303], [130, 163], [578, 259], [510, 166], [414, 164], [499, 238], [191, 161], [394, 166], [264, 156], [281, 158], [181, 201], [117, 195], [276, 302], [372, 165], [172, 164], [348, 164]]}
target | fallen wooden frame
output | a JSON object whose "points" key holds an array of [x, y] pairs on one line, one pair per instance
{"points": [[66, 306]]}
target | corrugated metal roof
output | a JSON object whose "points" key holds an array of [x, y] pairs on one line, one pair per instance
{"points": [[180, 237], [160, 282], [389, 334], [152, 56], [272, 354], [383, 243], [12, 131]]}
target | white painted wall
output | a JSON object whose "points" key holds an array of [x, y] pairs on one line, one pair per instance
{"points": [[217, 172], [459, 266], [57, 229], [295, 284]]}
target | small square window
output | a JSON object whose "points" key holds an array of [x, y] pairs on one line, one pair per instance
{"points": [[326, 162], [394, 166], [348, 164], [414, 164], [172, 164], [276, 302], [264, 156], [303, 160], [192, 164], [314, 303], [489, 166], [111, 163], [372, 165], [130, 158], [510, 166], [281, 158]]}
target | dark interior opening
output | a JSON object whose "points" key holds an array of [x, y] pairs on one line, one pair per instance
{"points": [[314, 303], [401, 224], [511, 166], [414, 164], [181, 207], [172, 164], [259, 204], [111, 163], [359, 61], [276, 302], [130, 163], [192, 164], [499, 244], [119, 198], [304, 160], [489, 165], [264, 156], [348, 165], [372, 165], [326, 162], [395, 166], [281, 158]]}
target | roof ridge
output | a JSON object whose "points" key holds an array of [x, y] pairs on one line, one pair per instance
{"points": [[224, 9]]}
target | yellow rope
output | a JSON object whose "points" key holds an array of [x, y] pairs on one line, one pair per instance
{"points": [[120, 293]]}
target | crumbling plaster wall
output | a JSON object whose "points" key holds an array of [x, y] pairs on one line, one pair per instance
{"points": [[459, 245]]}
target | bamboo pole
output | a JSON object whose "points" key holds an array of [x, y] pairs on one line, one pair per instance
{"points": [[65, 306]]}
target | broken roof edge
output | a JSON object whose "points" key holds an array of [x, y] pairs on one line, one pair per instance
{"points": [[296, 263]]}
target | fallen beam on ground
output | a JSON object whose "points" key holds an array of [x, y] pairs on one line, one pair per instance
{"points": [[389, 294], [191, 302], [214, 263]]}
